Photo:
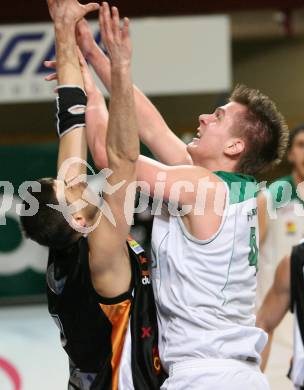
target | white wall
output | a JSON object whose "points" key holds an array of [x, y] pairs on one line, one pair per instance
{"points": [[30, 349]]}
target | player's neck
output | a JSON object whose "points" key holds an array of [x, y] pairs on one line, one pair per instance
{"points": [[297, 178], [218, 165]]}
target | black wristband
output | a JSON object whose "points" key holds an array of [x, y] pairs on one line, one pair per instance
{"points": [[71, 104]]}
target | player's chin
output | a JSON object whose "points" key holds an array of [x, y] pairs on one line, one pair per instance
{"points": [[192, 146]]}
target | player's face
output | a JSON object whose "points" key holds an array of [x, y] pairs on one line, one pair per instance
{"points": [[214, 132], [296, 154], [79, 192]]}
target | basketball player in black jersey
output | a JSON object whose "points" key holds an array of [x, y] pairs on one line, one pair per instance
{"points": [[98, 287], [286, 293]]}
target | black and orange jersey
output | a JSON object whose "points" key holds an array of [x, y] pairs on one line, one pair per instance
{"points": [[111, 343], [297, 285], [297, 308]]}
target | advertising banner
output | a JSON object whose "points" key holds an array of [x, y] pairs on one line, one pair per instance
{"points": [[173, 55]]}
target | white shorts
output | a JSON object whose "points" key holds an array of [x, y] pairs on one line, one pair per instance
{"points": [[215, 374]]}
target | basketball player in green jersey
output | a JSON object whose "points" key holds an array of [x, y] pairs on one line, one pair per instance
{"points": [[203, 260]]}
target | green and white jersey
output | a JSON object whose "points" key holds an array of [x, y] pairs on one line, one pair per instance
{"points": [[285, 230], [205, 290]]}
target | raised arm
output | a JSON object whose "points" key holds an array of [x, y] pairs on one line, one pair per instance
{"points": [[66, 14], [96, 117], [153, 130], [275, 305], [108, 242]]}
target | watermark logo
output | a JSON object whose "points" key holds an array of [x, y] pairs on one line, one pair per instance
{"points": [[109, 186]]}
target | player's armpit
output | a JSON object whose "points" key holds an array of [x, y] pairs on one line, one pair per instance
{"points": [[109, 261], [115, 281]]}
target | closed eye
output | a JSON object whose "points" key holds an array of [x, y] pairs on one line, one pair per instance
{"points": [[219, 113]]}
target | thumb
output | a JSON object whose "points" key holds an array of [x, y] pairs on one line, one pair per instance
{"points": [[91, 7]]}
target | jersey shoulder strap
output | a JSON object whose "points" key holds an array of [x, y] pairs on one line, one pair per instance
{"points": [[241, 187]]}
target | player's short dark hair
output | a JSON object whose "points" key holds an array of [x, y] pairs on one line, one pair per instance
{"points": [[293, 133], [263, 128], [48, 226]]}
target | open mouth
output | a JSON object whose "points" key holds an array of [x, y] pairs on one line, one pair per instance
{"points": [[195, 141], [197, 138]]}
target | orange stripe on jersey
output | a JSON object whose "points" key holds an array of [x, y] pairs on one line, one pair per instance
{"points": [[143, 260], [118, 315]]}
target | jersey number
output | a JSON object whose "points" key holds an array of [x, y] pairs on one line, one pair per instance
{"points": [[254, 251]]}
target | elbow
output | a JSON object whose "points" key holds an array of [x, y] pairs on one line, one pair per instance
{"points": [[117, 161], [119, 157], [100, 163], [262, 324], [100, 158], [99, 154]]}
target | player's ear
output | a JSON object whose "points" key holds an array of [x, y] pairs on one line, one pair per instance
{"points": [[234, 147]]}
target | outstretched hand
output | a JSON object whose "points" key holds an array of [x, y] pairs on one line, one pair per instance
{"points": [[69, 11], [116, 40]]}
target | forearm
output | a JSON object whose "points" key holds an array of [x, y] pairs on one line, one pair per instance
{"points": [[97, 117], [266, 324], [68, 68], [101, 65], [153, 130], [266, 352], [149, 119], [275, 305], [122, 138], [73, 144]]}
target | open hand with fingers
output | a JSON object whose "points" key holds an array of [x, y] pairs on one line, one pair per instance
{"points": [[116, 39], [69, 11]]}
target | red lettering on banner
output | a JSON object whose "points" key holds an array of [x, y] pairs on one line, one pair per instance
{"points": [[11, 372]]}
